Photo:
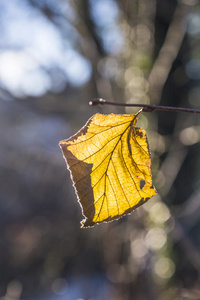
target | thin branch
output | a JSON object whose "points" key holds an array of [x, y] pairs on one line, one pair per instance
{"points": [[146, 107]]}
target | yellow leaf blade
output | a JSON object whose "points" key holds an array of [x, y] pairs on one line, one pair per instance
{"points": [[110, 166]]}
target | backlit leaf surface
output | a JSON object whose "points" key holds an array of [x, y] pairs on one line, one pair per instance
{"points": [[110, 166]]}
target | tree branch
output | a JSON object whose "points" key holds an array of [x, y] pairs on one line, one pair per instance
{"points": [[146, 107], [169, 51]]}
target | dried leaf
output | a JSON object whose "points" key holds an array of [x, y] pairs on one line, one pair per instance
{"points": [[110, 166]]}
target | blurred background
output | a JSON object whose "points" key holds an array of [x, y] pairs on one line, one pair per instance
{"points": [[56, 56]]}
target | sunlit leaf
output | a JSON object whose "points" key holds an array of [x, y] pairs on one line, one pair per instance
{"points": [[110, 166]]}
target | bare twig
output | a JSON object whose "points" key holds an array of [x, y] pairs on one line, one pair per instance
{"points": [[146, 107]]}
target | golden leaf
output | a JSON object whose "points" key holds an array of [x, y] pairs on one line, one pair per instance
{"points": [[110, 166]]}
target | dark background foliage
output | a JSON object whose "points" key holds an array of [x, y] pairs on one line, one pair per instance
{"points": [[55, 56]]}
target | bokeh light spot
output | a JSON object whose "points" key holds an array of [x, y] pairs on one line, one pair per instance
{"points": [[164, 268], [59, 286], [156, 238]]}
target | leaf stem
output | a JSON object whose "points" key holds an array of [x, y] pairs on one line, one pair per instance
{"points": [[146, 107]]}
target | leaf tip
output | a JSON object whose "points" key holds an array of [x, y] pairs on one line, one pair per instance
{"points": [[86, 223], [62, 144]]}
